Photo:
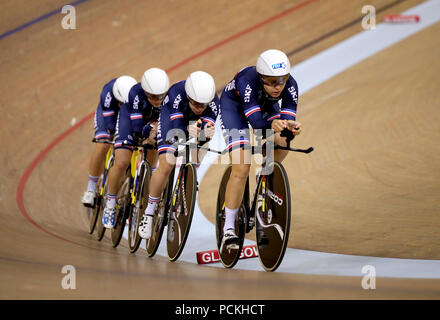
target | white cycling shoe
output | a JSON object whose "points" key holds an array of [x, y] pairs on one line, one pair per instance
{"points": [[88, 199], [145, 229], [108, 218]]}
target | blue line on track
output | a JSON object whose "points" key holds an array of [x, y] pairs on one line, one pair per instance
{"points": [[39, 19]]}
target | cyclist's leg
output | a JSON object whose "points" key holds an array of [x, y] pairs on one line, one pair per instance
{"points": [[160, 176], [96, 164], [236, 134], [153, 158], [123, 151], [117, 171]]}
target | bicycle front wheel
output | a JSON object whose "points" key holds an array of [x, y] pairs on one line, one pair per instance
{"points": [[272, 216], [160, 218], [181, 211]]}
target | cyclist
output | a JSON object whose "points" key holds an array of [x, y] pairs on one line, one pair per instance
{"points": [[189, 109], [113, 95], [266, 97], [137, 121]]}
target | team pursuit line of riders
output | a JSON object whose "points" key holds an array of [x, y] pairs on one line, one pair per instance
{"points": [[129, 113]]}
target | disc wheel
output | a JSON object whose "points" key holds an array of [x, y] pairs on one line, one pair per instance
{"points": [[272, 216], [181, 211]]}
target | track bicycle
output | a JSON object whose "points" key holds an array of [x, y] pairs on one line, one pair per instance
{"points": [[269, 211], [176, 206]]}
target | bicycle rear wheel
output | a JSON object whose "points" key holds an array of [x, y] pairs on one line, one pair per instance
{"points": [[123, 201], [160, 219], [229, 258], [138, 207], [95, 210], [272, 216], [182, 210]]}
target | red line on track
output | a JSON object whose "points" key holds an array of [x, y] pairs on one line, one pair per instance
{"points": [[42, 154]]}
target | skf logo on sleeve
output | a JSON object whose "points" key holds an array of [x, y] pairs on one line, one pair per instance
{"points": [[247, 94], [213, 107], [280, 65], [136, 102], [177, 102], [293, 93], [108, 100]]}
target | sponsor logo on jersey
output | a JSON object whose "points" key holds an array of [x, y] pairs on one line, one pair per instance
{"points": [[230, 86], [108, 100], [136, 102], [247, 93], [177, 101], [213, 107], [293, 93]]}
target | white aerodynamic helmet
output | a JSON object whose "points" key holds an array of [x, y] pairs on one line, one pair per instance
{"points": [[155, 81], [200, 87], [272, 63], [122, 87]]}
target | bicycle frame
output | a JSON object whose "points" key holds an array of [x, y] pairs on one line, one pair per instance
{"points": [[108, 163]]}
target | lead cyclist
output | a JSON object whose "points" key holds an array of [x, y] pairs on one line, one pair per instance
{"points": [[266, 97]]}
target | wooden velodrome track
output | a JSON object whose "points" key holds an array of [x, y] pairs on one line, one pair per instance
{"points": [[371, 188]]}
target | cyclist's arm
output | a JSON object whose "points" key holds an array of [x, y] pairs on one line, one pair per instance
{"points": [[289, 100], [108, 111], [250, 105], [289, 106], [134, 108]]}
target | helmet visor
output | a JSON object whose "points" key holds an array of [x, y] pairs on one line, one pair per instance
{"points": [[274, 81], [156, 97], [198, 104]]}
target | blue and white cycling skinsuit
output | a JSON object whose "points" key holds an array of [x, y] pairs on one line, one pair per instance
{"points": [[106, 113], [134, 118], [176, 114]]}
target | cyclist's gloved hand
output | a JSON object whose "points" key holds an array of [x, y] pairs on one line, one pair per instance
{"points": [[195, 128], [209, 131], [278, 125], [146, 130], [137, 138], [294, 126]]}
